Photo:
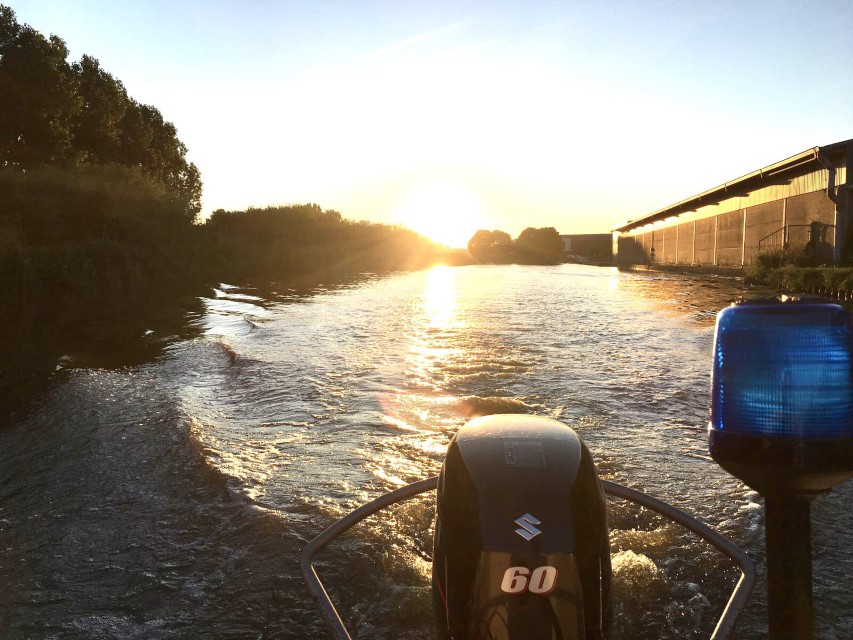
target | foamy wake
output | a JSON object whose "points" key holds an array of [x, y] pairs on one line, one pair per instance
{"points": [[474, 406]]}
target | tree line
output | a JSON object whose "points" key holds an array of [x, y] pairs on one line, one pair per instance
{"points": [[273, 243], [541, 245]]}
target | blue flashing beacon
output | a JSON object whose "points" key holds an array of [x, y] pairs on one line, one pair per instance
{"points": [[782, 394]]}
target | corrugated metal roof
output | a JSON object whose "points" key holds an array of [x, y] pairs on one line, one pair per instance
{"points": [[736, 187]]}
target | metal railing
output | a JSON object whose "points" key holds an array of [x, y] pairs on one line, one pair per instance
{"points": [[319, 543], [796, 236], [735, 605], [776, 240]]}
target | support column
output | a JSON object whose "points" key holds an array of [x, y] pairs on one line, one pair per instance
{"points": [[693, 254], [676, 242], [846, 196], [837, 239], [663, 244], [716, 230]]}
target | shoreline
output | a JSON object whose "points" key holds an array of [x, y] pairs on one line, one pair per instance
{"points": [[735, 273]]}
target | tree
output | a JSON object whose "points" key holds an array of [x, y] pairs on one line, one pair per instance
{"points": [[189, 187], [97, 127], [150, 143], [539, 245], [38, 97], [9, 27], [491, 246], [53, 113]]}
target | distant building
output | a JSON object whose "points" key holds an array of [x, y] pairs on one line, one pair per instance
{"points": [[803, 201], [596, 247]]}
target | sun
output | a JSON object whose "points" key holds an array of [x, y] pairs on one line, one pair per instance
{"points": [[445, 212]]}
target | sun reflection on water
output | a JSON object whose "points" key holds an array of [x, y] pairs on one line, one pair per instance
{"points": [[435, 326], [439, 298], [421, 409]]}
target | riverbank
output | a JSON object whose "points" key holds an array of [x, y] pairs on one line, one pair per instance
{"points": [[690, 270], [830, 282], [833, 282]]}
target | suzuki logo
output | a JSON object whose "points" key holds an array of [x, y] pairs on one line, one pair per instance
{"points": [[528, 530]]}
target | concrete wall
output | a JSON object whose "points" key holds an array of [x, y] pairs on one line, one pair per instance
{"points": [[686, 234], [731, 238], [706, 246], [670, 245], [761, 221], [808, 207], [630, 250]]}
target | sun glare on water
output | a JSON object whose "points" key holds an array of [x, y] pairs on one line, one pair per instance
{"points": [[444, 212]]}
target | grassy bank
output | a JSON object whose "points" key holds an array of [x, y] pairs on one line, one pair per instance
{"points": [[786, 273], [795, 272], [835, 282]]}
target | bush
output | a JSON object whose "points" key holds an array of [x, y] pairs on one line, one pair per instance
{"points": [[772, 259], [798, 271]]}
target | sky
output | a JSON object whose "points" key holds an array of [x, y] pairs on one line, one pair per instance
{"points": [[454, 116]]}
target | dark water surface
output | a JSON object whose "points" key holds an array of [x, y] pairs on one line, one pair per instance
{"points": [[171, 499]]}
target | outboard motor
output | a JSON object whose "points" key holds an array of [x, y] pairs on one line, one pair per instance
{"points": [[521, 549]]}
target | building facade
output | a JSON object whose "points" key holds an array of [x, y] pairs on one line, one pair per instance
{"points": [[801, 203], [597, 247]]}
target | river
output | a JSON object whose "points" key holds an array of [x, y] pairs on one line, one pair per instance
{"points": [[171, 499]]}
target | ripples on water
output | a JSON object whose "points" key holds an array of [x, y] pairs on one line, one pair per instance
{"points": [[172, 499]]}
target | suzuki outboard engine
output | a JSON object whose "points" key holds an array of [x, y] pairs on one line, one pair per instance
{"points": [[521, 549]]}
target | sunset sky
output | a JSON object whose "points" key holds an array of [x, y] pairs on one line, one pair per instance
{"points": [[454, 116]]}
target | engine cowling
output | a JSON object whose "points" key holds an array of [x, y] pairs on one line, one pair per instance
{"points": [[521, 547]]}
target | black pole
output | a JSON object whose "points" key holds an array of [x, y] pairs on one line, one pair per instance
{"points": [[789, 567]]}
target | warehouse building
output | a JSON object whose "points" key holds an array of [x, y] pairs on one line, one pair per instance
{"points": [[802, 203], [597, 247]]}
